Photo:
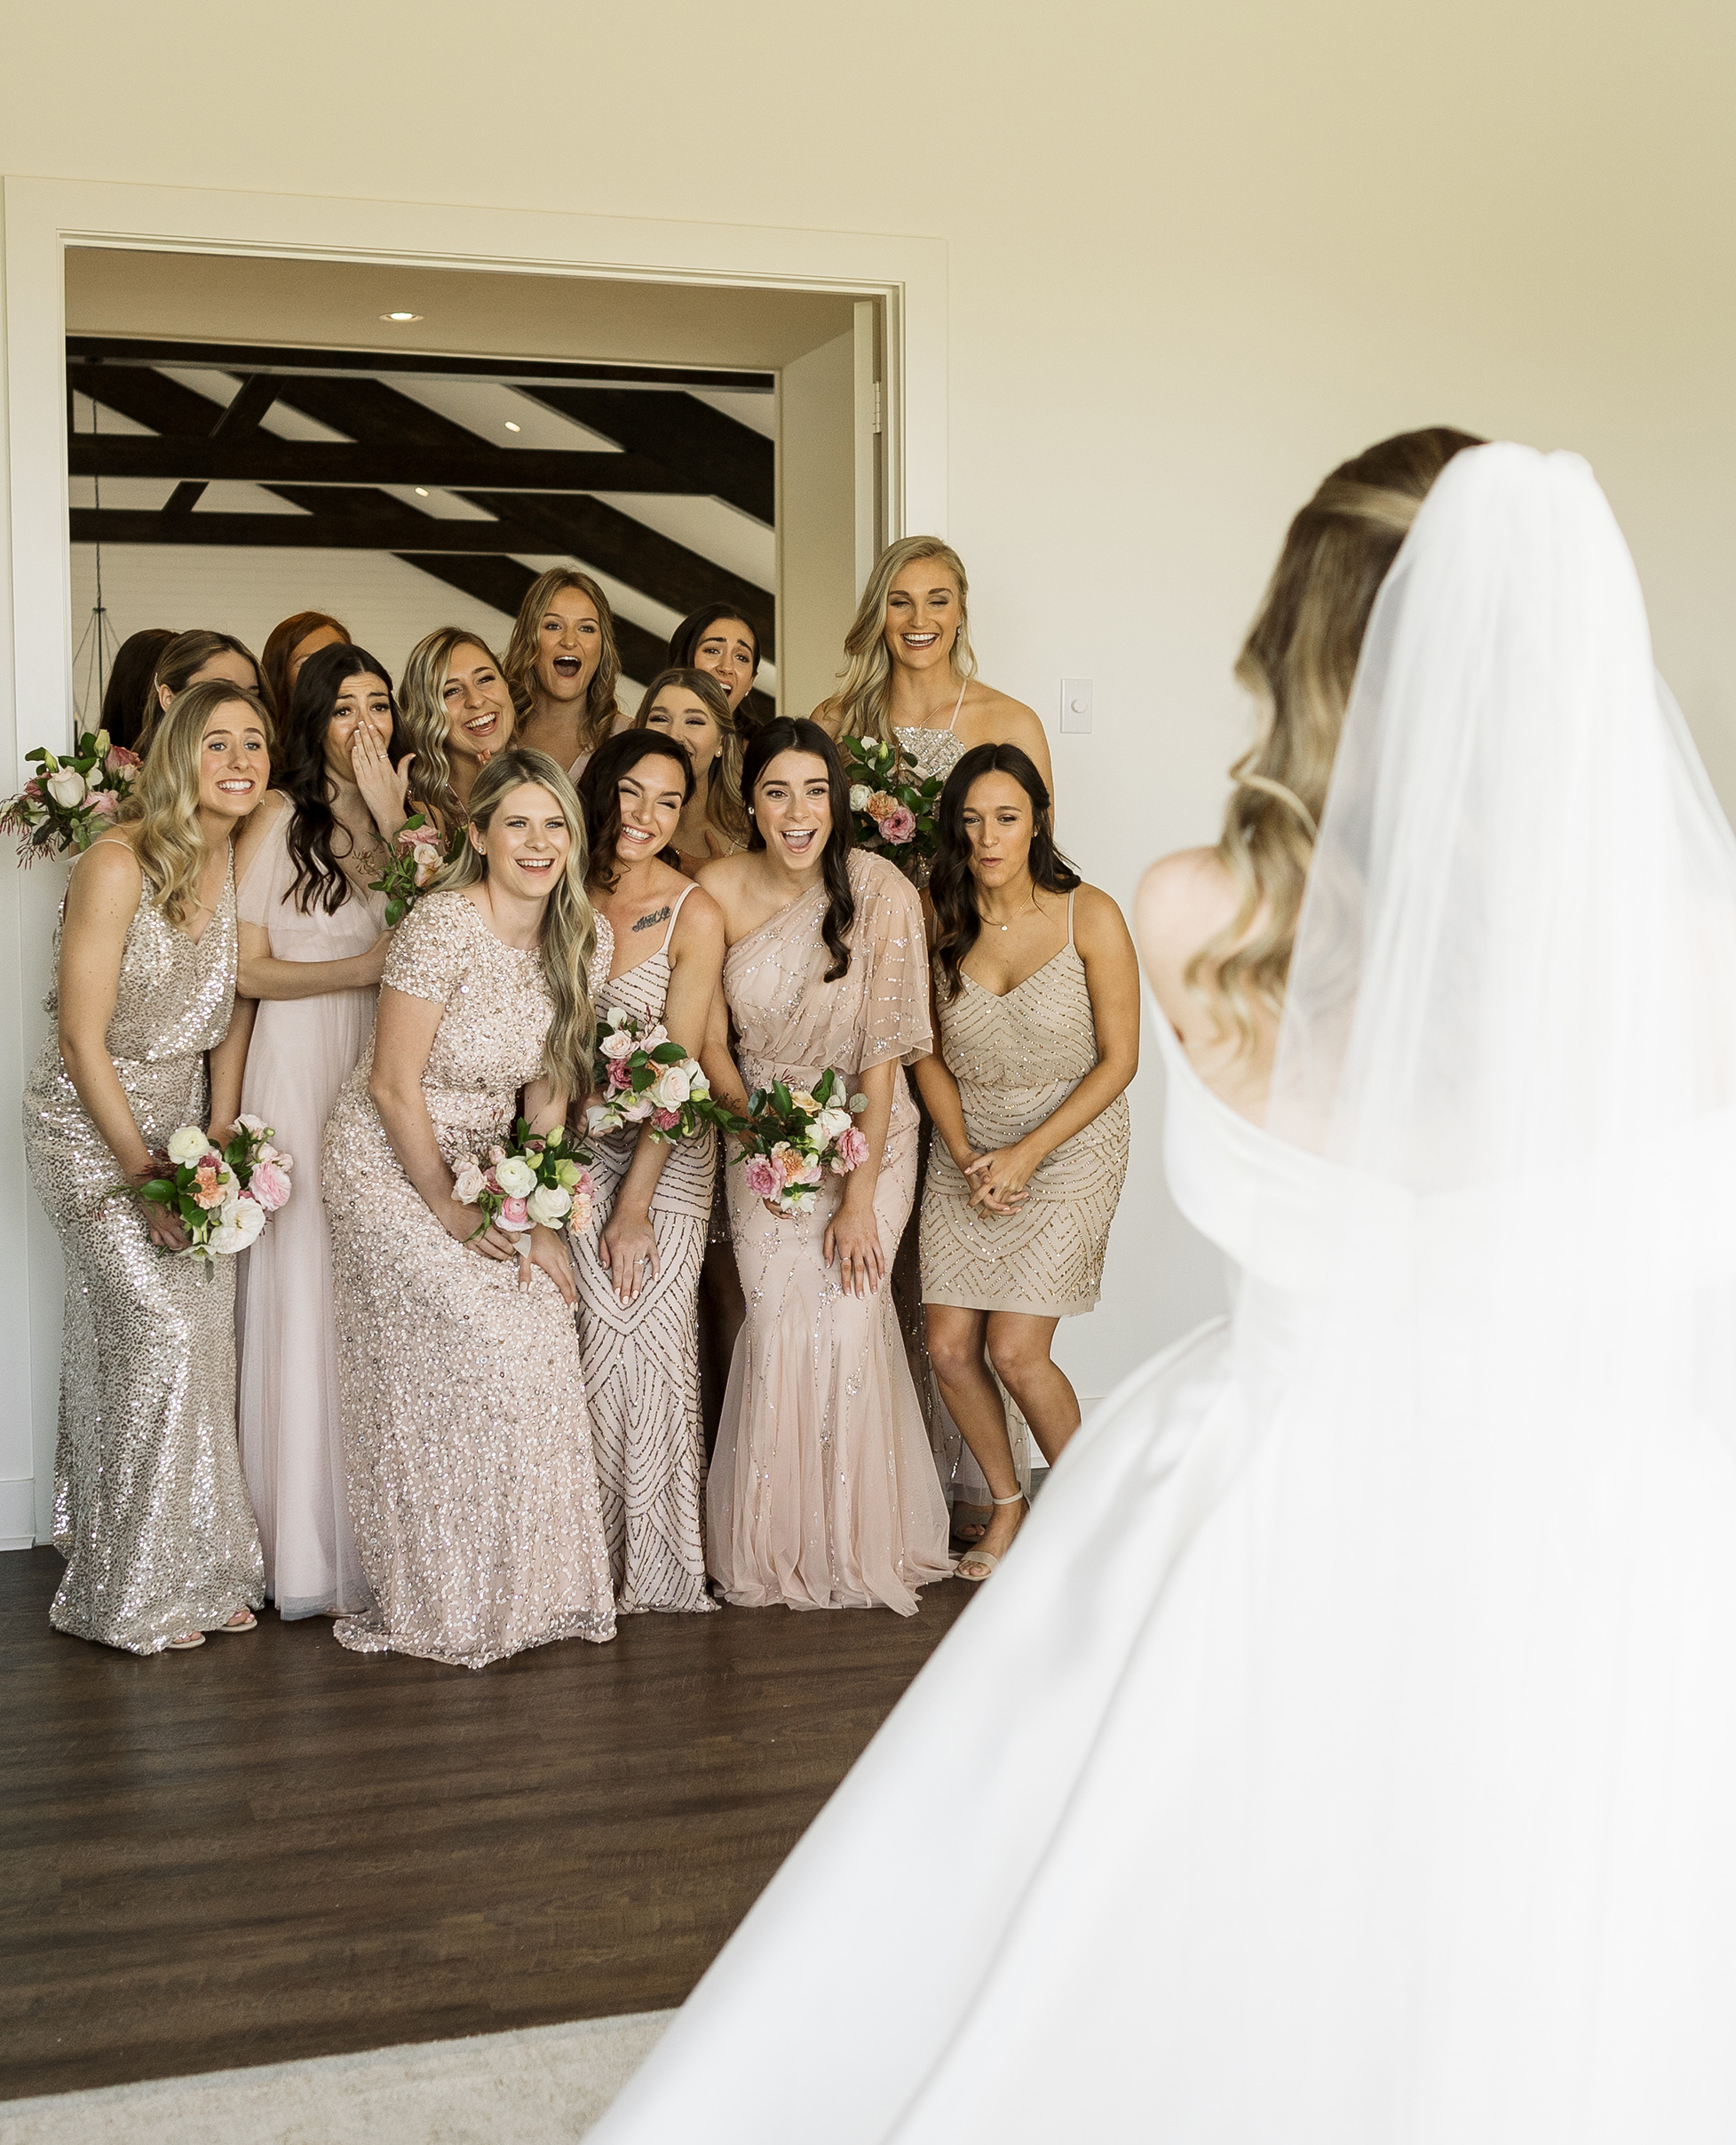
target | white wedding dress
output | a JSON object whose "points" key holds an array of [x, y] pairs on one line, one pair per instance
{"points": [[1348, 1744]]}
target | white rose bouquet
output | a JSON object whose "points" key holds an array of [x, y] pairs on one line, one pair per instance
{"points": [[66, 804], [793, 1136], [650, 1081], [223, 1197], [538, 1181]]}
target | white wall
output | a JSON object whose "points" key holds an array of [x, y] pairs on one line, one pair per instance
{"points": [[816, 520], [1197, 254]]}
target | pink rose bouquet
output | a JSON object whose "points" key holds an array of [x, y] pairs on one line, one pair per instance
{"points": [[793, 1137], [417, 855], [538, 1182], [892, 808], [223, 1197], [66, 804], [649, 1080]]}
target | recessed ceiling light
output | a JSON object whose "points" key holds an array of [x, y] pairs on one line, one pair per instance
{"points": [[422, 491], [400, 316], [514, 428]]}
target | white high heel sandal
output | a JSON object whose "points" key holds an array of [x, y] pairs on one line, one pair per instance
{"points": [[983, 1556]]}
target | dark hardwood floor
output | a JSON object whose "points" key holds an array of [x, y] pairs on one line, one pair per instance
{"points": [[271, 1847]]}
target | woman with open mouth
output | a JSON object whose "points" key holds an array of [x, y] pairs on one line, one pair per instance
{"points": [[563, 668], [457, 715], [824, 1493]]}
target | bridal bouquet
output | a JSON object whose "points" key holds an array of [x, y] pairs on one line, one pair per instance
{"points": [[651, 1081], [223, 1197], [416, 856], [66, 804], [891, 807], [792, 1137], [539, 1180]]}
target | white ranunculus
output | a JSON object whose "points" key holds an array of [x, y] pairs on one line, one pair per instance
{"points": [[829, 1123], [515, 1176], [467, 1187], [550, 1204], [860, 794], [66, 787], [188, 1145], [672, 1086]]}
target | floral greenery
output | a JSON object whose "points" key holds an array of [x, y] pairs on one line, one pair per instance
{"points": [[416, 856], [652, 1081], [892, 808], [70, 799], [536, 1181], [222, 1196], [793, 1136]]}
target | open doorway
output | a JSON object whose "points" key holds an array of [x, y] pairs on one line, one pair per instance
{"points": [[408, 447]]}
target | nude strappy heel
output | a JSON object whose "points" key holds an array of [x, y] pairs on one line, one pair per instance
{"points": [[983, 1556]]}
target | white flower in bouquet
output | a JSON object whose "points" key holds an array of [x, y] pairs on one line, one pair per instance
{"points": [[860, 794], [599, 1118], [515, 1176], [467, 1187], [252, 1124], [67, 786], [550, 1204], [829, 1123], [188, 1145], [237, 1226], [617, 1044], [799, 1202], [617, 1016], [637, 1109], [672, 1086], [698, 1085]]}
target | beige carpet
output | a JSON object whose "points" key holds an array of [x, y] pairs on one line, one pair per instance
{"points": [[544, 2085]]}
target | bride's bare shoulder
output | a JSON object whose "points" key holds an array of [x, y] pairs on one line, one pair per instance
{"points": [[1184, 900]]}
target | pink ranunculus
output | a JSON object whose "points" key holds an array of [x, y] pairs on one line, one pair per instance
{"points": [[852, 1149], [515, 1213], [899, 826], [665, 1120], [268, 1186], [763, 1177], [620, 1076], [104, 802]]}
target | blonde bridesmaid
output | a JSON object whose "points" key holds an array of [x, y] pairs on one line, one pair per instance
{"points": [[563, 666], [457, 715], [692, 707], [638, 1263], [823, 1493]]}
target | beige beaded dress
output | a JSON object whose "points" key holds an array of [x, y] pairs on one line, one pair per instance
{"points": [[466, 1441], [824, 1493], [1016, 1059], [641, 1359], [150, 1509]]}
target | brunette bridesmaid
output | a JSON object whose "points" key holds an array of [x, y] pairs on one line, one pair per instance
{"points": [[824, 1493], [198, 657], [312, 945], [150, 1508], [455, 714], [471, 1477], [717, 638], [563, 668], [638, 1263], [290, 644], [1036, 995], [691, 707]]}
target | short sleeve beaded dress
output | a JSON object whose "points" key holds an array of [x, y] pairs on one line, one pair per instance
{"points": [[467, 1437]]}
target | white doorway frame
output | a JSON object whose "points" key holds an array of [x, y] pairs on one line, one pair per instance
{"points": [[45, 217]]}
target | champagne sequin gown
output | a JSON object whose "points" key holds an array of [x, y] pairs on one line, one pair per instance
{"points": [[824, 1493], [641, 1359], [150, 1509], [302, 1051], [1017, 1057], [467, 1442]]}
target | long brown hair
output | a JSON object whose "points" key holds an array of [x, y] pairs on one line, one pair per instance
{"points": [[724, 808], [951, 889], [279, 650], [599, 794], [788, 735], [520, 665], [1299, 661], [187, 653]]}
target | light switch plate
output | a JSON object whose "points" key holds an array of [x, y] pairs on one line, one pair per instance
{"points": [[1075, 704]]}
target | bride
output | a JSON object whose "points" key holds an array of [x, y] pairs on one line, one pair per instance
{"points": [[1352, 1728]]}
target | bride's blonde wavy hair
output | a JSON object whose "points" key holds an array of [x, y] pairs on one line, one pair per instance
{"points": [[569, 923], [163, 803], [862, 701], [1298, 662]]}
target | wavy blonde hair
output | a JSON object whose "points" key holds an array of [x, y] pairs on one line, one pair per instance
{"points": [[423, 717], [569, 925], [862, 701], [163, 803], [1299, 662], [724, 807], [599, 703]]}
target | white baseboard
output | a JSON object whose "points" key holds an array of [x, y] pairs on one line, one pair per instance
{"points": [[18, 1515]]}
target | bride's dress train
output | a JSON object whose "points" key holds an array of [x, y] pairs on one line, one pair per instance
{"points": [[1348, 1745]]}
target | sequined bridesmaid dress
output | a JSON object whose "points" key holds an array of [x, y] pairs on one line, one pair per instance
{"points": [[824, 1493], [150, 1509], [292, 1434], [641, 1359], [466, 1438]]}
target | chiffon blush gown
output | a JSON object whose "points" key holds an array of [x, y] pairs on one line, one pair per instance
{"points": [[290, 1412], [465, 1431], [824, 1493]]}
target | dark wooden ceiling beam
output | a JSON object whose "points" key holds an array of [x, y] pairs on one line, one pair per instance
{"points": [[265, 459], [252, 398], [714, 453], [365, 364]]}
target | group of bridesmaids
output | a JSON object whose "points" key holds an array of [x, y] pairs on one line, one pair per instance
{"points": [[460, 1443]]}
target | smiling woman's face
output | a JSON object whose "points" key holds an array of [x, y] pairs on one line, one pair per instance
{"points": [[569, 646], [527, 842], [793, 808], [479, 707], [652, 793], [684, 716], [922, 610], [235, 761]]}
